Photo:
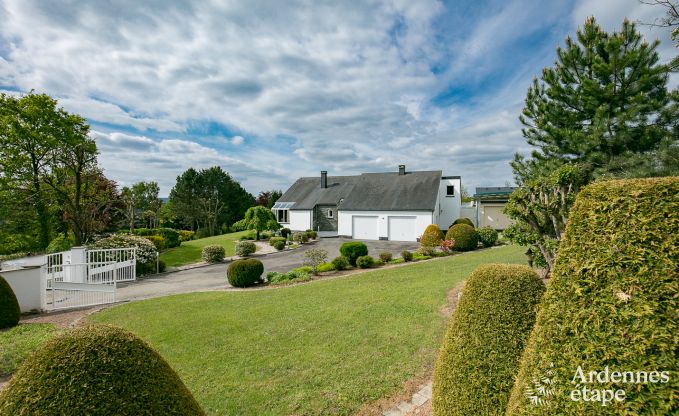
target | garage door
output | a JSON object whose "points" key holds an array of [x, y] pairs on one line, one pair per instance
{"points": [[402, 229], [493, 216], [364, 227]]}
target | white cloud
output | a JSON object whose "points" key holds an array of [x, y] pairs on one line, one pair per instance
{"points": [[237, 140]]}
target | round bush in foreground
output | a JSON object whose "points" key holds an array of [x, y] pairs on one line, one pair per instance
{"points": [[486, 335], [340, 263], [465, 237], [213, 253], [9, 306], [100, 370], [244, 273], [432, 236]]}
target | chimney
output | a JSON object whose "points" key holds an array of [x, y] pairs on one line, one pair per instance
{"points": [[324, 179], [401, 170]]}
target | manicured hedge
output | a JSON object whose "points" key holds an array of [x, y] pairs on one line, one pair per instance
{"points": [[245, 248], [463, 220], [487, 236], [352, 250], [465, 237], [244, 273], [97, 370], [432, 236], [172, 237], [10, 313], [213, 253], [612, 301], [486, 335], [159, 242]]}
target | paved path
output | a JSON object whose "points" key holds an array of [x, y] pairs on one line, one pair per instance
{"points": [[213, 277]]}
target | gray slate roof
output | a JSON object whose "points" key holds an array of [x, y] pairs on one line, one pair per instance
{"points": [[414, 191]]}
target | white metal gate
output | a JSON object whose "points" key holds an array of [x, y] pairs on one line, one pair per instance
{"points": [[81, 277]]}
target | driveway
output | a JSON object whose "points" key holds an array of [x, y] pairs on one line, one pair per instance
{"points": [[213, 277]]}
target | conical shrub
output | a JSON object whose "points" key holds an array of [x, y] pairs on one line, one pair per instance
{"points": [[9, 306]]}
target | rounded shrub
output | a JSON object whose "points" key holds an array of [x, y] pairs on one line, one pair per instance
{"points": [[273, 240], [487, 236], [60, 243], [159, 242], [213, 253], [352, 250], [340, 263], [244, 273], [386, 256], [365, 262], [285, 232], [486, 335], [97, 370], [245, 248], [406, 255], [301, 238], [312, 235], [145, 250], [172, 237], [10, 313], [463, 220], [279, 245], [186, 235], [431, 237], [465, 237], [611, 302]]}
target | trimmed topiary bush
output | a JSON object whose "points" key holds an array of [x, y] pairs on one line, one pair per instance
{"points": [[172, 237], [285, 232], [487, 236], [431, 237], [465, 237], [10, 313], [340, 263], [301, 237], [365, 262], [97, 370], [158, 241], [213, 253], [245, 248], [406, 255], [486, 335], [244, 273], [279, 245], [611, 303], [273, 240], [386, 256], [352, 250], [463, 220]]}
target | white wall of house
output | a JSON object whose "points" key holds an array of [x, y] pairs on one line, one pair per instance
{"points": [[448, 206], [469, 211], [374, 225], [300, 220], [28, 286]]}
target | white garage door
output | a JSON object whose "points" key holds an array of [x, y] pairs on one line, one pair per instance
{"points": [[402, 229], [364, 227], [493, 216]]}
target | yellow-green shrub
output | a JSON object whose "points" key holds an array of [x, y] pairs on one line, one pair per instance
{"points": [[97, 370], [481, 350], [432, 236], [612, 302]]}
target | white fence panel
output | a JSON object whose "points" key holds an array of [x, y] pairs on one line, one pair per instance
{"points": [[106, 265], [65, 295]]}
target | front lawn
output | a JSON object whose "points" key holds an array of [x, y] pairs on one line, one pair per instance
{"points": [[326, 347], [19, 342], [189, 251]]}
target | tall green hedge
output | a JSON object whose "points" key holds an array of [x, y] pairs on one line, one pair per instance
{"points": [[10, 313], [96, 370], [481, 350], [613, 302]]}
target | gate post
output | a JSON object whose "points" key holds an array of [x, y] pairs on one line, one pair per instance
{"points": [[79, 265]]}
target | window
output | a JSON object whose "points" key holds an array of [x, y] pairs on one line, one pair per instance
{"points": [[330, 213], [282, 215], [450, 190]]}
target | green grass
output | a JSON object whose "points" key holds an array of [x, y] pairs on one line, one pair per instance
{"points": [[326, 347], [19, 342], [189, 251]]}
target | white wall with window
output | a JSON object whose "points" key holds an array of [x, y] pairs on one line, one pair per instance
{"points": [[281, 210]]}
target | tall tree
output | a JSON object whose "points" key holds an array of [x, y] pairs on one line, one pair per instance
{"points": [[268, 198], [602, 110]]}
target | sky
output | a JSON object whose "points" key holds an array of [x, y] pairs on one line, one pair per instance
{"points": [[272, 90]]}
